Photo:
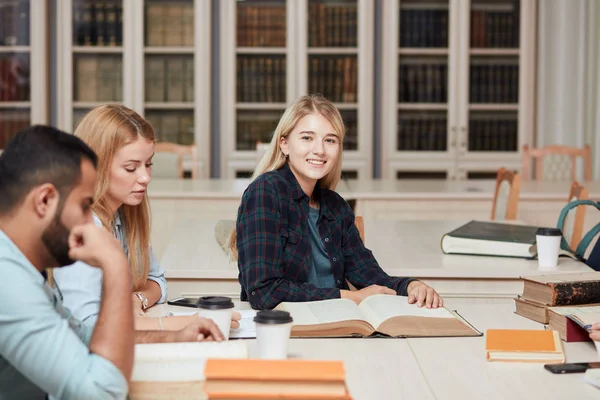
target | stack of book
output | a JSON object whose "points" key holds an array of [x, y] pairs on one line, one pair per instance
{"points": [[550, 299], [275, 379]]}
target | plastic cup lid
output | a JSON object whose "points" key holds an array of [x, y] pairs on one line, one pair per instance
{"points": [[548, 232], [215, 303], [273, 317]]}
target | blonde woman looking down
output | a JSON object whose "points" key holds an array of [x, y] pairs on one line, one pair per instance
{"points": [[124, 143], [295, 237]]}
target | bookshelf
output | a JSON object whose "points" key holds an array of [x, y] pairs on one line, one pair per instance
{"points": [[151, 56], [464, 73], [23, 54], [273, 51]]}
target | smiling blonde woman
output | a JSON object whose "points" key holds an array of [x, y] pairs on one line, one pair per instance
{"points": [[295, 237]]}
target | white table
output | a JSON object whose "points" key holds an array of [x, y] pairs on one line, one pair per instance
{"points": [[443, 368], [456, 368], [196, 265]]}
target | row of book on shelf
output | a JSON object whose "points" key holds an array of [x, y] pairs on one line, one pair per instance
{"points": [[169, 23], [423, 28], [332, 25], [98, 23], [98, 78], [14, 23], [261, 25], [420, 82], [14, 77], [169, 78], [261, 79], [494, 29], [172, 126], [12, 121], [490, 134], [494, 83]]}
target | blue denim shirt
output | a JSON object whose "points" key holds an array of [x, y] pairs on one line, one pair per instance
{"points": [[81, 284], [43, 349]]}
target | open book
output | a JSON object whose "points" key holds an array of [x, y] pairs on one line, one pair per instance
{"points": [[384, 314]]}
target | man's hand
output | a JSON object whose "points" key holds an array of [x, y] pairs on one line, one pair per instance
{"points": [[95, 246], [202, 329], [359, 295], [235, 320], [595, 331], [423, 295]]}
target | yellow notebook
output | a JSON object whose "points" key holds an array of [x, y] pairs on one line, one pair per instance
{"points": [[524, 346]]}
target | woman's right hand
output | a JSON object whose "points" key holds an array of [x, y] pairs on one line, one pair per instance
{"points": [[595, 331]]}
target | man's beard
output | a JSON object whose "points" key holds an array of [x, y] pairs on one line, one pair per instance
{"points": [[56, 239]]}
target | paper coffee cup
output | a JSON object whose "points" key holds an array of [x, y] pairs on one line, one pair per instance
{"points": [[548, 247], [219, 309], [597, 344], [273, 329]]}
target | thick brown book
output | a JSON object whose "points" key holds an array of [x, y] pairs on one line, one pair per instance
{"points": [[532, 310], [563, 320], [562, 289], [377, 314]]}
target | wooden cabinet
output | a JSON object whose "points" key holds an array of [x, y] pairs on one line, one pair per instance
{"points": [[461, 79]]}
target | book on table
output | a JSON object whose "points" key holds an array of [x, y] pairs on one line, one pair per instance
{"points": [[524, 346], [530, 309], [176, 370], [572, 322], [562, 289], [489, 238], [275, 379], [378, 314]]}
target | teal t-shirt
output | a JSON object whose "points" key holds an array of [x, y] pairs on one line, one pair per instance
{"points": [[320, 275]]}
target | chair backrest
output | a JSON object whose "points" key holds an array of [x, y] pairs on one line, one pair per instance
{"points": [[573, 227], [360, 225], [168, 160], [556, 162], [506, 195]]}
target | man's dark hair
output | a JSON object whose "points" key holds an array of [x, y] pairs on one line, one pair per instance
{"points": [[38, 155]]}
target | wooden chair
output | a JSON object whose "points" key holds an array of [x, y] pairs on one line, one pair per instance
{"points": [[506, 195], [556, 162], [179, 151], [573, 226]]}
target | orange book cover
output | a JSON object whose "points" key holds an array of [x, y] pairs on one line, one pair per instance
{"points": [[280, 370], [523, 345], [275, 379]]}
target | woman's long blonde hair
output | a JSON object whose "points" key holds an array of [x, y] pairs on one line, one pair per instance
{"points": [[274, 158], [106, 129]]}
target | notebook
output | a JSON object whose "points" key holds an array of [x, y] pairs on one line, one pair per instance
{"points": [[524, 346]]}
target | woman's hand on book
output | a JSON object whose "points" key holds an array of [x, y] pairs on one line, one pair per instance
{"points": [[423, 295], [235, 319], [359, 295], [595, 331], [201, 329]]}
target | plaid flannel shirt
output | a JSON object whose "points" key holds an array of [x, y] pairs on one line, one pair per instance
{"points": [[274, 248]]}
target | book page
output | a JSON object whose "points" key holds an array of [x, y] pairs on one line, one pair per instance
{"points": [[576, 310], [321, 312], [380, 307]]}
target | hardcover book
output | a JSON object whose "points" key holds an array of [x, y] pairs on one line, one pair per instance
{"points": [[378, 314]]}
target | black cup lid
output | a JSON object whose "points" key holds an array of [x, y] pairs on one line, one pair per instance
{"points": [[548, 232], [215, 302], [273, 317]]}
